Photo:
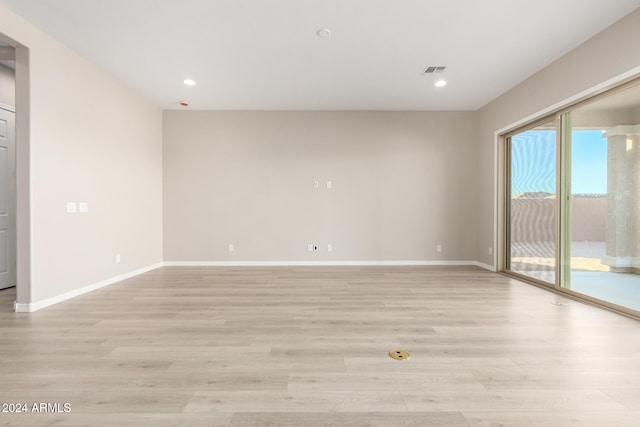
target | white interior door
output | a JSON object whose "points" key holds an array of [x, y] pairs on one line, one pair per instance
{"points": [[7, 200]]}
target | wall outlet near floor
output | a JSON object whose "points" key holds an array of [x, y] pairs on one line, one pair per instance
{"points": [[490, 250], [231, 247], [438, 247], [311, 247], [118, 258], [329, 247]]}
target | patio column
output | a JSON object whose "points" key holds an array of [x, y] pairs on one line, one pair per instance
{"points": [[623, 199]]}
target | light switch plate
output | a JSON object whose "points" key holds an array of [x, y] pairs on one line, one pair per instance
{"points": [[72, 207]]}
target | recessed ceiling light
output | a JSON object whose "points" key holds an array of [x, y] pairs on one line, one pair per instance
{"points": [[440, 83], [325, 32], [189, 82]]}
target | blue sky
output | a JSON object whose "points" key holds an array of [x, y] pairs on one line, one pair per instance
{"points": [[589, 165], [534, 162]]}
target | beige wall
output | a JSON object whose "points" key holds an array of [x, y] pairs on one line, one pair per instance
{"points": [[402, 183], [93, 140], [7, 86], [611, 53]]}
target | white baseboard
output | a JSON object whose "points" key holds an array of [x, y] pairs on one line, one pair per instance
{"points": [[313, 263], [485, 266], [38, 305]]}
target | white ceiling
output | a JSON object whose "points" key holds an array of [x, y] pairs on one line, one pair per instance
{"points": [[265, 54]]}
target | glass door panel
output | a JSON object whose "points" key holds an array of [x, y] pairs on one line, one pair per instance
{"points": [[604, 203], [532, 203]]}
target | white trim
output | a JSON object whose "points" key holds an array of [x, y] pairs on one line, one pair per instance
{"points": [[38, 305], [491, 268], [314, 263], [7, 107], [496, 190]]}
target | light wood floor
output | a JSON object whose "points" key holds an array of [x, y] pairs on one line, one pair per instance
{"points": [[308, 347]]}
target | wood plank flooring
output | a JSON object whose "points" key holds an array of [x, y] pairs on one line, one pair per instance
{"points": [[187, 346]]}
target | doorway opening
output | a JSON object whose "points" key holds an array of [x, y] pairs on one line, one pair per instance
{"points": [[8, 248], [14, 175]]}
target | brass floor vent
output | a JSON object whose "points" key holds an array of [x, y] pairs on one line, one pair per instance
{"points": [[399, 355]]}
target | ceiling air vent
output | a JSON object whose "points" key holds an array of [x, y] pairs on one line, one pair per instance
{"points": [[434, 70]]}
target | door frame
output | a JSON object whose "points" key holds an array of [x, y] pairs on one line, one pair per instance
{"points": [[13, 240], [23, 173]]}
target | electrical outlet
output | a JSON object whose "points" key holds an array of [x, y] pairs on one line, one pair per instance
{"points": [[231, 248], [490, 251], [329, 247], [438, 248], [118, 258], [310, 247]]}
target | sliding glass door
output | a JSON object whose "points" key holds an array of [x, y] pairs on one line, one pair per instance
{"points": [[572, 205]]}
